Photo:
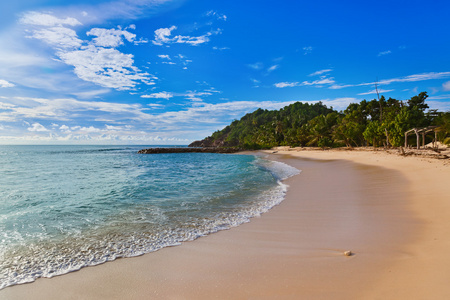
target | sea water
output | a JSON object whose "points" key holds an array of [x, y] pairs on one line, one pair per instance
{"points": [[66, 207]]}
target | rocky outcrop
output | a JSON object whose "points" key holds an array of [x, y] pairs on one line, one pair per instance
{"points": [[209, 142], [202, 143], [191, 149]]}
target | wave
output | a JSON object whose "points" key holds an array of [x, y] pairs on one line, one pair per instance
{"points": [[148, 228]]}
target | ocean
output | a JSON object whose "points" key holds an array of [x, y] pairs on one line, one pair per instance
{"points": [[66, 207]]}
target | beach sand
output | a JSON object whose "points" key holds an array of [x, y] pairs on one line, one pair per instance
{"points": [[392, 212]]}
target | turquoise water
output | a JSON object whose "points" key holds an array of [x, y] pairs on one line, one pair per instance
{"points": [[66, 207]]}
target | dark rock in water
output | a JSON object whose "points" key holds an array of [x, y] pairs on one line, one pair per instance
{"points": [[189, 150]]}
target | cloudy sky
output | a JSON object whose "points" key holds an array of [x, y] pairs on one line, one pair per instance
{"points": [[173, 71]]}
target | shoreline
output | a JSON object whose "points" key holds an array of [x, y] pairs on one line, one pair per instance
{"points": [[296, 249]]}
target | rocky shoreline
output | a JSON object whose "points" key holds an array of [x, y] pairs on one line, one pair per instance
{"points": [[190, 150]]}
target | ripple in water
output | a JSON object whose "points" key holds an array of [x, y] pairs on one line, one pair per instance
{"points": [[66, 207]]}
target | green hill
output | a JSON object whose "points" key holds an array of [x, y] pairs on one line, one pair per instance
{"points": [[377, 122]]}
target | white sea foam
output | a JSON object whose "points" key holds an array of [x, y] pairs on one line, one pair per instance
{"points": [[279, 170]]}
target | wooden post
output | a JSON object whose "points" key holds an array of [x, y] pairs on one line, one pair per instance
{"points": [[417, 138], [406, 139], [423, 139]]}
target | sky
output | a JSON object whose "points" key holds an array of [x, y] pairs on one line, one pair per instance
{"points": [[168, 72]]}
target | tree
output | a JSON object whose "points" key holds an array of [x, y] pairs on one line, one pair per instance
{"points": [[348, 131], [374, 133], [320, 128], [443, 129], [374, 122], [419, 101]]}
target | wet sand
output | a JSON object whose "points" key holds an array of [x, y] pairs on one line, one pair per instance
{"points": [[391, 212]]}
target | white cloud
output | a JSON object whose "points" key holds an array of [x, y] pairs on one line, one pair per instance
{"points": [[342, 86], [219, 16], [91, 93], [307, 50], [191, 95], [256, 82], [110, 37], [319, 82], [67, 109], [95, 61], [61, 38], [88, 129], [409, 78], [195, 96], [220, 113], [440, 97], [445, 86], [42, 19], [375, 91], [320, 72], [5, 84], [37, 127], [256, 66], [273, 68], [155, 105], [439, 105], [163, 36], [160, 95], [384, 53], [65, 129], [286, 84], [414, 78], [136, 138], [14, 58], [164, 56], [192, 40], [118, 128], [127, 123], [106, 67], [221, 48], [278, 59]]}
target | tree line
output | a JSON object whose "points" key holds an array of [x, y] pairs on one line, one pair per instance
{"points": [[377, 123]]}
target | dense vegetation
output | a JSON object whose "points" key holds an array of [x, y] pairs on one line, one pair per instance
{"points": [[378, 122]]}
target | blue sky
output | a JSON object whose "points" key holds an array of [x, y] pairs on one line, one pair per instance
{"points": [[173, 71]]}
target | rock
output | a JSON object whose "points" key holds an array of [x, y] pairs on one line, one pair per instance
{"points": [[348, 253], [190, 150]]}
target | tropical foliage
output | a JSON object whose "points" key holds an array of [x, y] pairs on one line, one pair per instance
{"points": [[378, 122]]}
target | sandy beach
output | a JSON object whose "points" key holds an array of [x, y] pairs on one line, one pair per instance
{"points": [[392, 212]]}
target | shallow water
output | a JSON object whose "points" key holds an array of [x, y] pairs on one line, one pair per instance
{"points": [[66, 207]]}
